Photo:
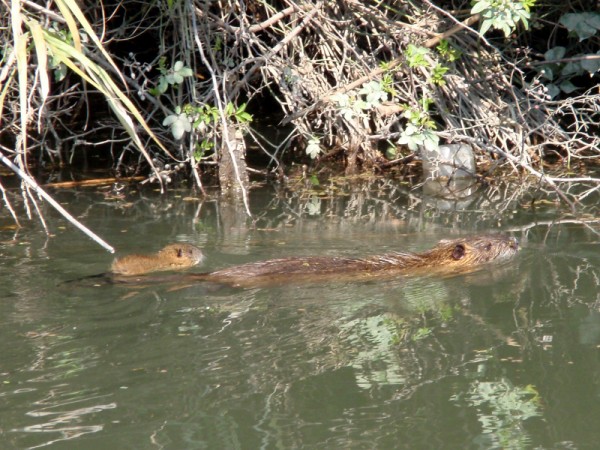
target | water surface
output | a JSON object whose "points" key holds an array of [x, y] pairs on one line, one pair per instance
{"points": [[503, 358]]}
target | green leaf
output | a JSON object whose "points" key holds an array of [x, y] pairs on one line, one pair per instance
{"points": [[179, 124], [585, 25], [480, 6], [547, 72], [553, 90], [591, 65], [342, 100], [571, 68], [567, 87], [485, 26], [430, 140], [391, 152], [416, 56], [555, 53]]}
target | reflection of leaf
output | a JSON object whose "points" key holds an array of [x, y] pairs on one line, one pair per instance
{"points": [[501, 409], [313, 208]]}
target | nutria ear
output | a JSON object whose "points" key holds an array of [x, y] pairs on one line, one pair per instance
{"points": [[458, 252]]}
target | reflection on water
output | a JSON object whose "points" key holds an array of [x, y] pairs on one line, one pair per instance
{"points": [[502, 358]]}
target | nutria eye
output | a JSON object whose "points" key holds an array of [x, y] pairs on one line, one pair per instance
{"points": [[488, 247], [458, 252], [179, 253]]}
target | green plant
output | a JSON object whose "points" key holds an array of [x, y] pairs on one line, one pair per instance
{"points": [[502, 14], [448, 52], [387, 84], [200, 117], [313, 149], [373, 94], [437, 74], [170, 77], [369, 97], [584, 25], [202, 148], [178, 122], [559, 68], [239, 114], [419, 130], [415, 56]]}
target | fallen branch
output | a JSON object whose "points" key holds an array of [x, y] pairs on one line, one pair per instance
{"points": [[33, 185]]}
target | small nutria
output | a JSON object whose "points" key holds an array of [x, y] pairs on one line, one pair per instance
{"points": [[172, 257], [448, 256]]}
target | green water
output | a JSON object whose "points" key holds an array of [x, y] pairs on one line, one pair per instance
{"points": [[505, 358]]}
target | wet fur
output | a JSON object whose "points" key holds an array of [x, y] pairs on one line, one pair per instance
{"points": [[448, 256], [171, 257]]}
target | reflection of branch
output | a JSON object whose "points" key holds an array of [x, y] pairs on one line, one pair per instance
{"points": [[541, 176], [32, 183]]}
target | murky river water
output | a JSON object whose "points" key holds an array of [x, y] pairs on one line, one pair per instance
{"points": [[504, 358]]}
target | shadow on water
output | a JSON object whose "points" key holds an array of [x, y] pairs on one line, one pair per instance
{"points": [[505, 357]]}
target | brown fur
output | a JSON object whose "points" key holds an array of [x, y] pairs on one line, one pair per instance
{"points": [[448, 256], [172, 257]]}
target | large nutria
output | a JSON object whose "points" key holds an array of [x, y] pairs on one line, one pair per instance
{"points": [[172, 257], [448, 256]]}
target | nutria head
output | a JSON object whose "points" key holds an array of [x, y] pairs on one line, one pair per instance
{"points": [[181, 254], [471, 251], [171, 257]]}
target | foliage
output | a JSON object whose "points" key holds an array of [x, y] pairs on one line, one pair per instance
{"points": [[418, 132], [416, 56], [313, 149], [559, 68], [374, 93], [502, 408], [389, 80], [447, 51], [170, 77], [584, 25], [179, 123], [502, 14]]}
